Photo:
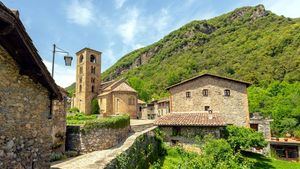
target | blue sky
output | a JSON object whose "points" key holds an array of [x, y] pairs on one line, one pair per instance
{"points": [[116, 27]]}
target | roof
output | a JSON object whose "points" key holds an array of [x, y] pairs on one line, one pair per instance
{"points": [[86, 48], [190, 119], [115, 86], [212, 75], [15, 40], [124, 87], [281, 141], [141, 102]]}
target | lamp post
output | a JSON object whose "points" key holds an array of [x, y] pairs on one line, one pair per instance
{"points": [[68, 59]]}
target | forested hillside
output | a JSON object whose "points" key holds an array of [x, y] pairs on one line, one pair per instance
{"points": [[249, 43]]}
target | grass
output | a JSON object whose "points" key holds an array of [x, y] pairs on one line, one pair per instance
{"points": [[90, 122], [263, 162], [79, 118], [174, 159]]}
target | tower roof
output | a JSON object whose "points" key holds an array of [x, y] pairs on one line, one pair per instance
{"points": [[86, 48]]}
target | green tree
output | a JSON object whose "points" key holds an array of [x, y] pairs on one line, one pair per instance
{"points": [[95, 107], [242, 138]]}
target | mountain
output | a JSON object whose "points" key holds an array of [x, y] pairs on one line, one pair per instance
{"points": [[249, 43]]}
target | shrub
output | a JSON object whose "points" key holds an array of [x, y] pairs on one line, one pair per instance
{"points": [[109, 122], [242, 138], [95, 107], [74, 110], [219, 154], [79, 118], [57, 156], [71, 153]]}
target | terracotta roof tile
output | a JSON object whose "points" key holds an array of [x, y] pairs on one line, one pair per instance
{"points": [[190, 119]]}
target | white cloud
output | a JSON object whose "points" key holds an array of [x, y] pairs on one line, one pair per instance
{"points": [[287, 8], [138, 45], [64, 76], [128, 28], [80, 13], [119, 3], [162, 22]]}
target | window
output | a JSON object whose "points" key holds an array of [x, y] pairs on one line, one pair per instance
{"points": [[93, 88], [254, 126], [80, 70], [188, 94], [206, 108], [80, 59], [92, 80], [93, 59], [226, 92], [93, 69], [131, 101], [205, 92], [80, 88]]}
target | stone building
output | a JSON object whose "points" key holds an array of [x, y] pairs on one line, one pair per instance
{"points": [[261, 124], [59, 122], [26, 94], [88, 78], [155, 109], [116, 98], [210, 93], [184, 127]]}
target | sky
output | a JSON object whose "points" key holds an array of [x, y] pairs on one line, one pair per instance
{"points": [[117, 27]]}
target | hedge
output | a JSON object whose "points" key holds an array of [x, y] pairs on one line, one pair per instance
{"points": [[108, 122]]}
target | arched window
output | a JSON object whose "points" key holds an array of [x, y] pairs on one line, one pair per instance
{"points": [[80, 88], [93, 88], [80, 58], [93, 59], [226, 92]]}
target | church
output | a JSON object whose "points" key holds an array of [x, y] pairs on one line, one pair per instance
{"points": [[114, 97]]}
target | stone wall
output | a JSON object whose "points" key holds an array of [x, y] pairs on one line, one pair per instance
{"points": [[59, 126], [187, 134], [25, 132], [94, 140], [233, 108], [146, 149]]}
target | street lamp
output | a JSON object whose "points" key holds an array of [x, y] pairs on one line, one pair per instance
{"points": [[68, 59]]}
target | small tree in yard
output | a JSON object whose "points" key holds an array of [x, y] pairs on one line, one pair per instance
{"points": [[242, 138], [95, 106]]}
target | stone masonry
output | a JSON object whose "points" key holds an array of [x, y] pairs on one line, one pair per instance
{"points": [[97, 139], [233, 108], [87, 78], [25, 139]]}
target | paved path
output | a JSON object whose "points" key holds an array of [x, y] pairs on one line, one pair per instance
{"points": [[134, 122], [98, 159]]}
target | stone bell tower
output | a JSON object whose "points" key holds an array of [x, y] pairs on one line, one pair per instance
{"points": [[88, 78]]}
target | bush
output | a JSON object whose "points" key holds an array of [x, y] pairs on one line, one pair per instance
{"points": [[57, 156], [79, 118], [74, 110], [242, 138], [219, 154], [95, 107], [109, 122]]}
